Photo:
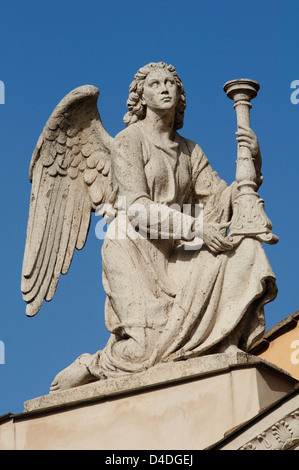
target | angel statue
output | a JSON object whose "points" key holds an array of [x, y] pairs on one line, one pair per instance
{"points": [[166, 300]]}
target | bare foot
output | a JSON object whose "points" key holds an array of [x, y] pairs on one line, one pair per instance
{"points": [[73, 376]]}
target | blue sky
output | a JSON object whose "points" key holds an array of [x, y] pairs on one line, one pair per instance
{"points": [[50, 47]]}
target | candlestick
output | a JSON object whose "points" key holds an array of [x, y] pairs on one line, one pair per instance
{"points": [[249, 218]]}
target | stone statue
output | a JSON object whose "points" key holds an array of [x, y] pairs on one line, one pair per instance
{"points": [[169, 297]]}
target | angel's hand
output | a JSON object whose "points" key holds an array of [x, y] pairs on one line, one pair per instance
{"points": [[247, 138], [213, 238], [107, 211]]}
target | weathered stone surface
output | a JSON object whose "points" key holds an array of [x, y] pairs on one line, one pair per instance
{"points": [[161, 374]]}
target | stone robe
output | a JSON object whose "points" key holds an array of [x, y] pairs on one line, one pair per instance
{"points": [[165, 302]]}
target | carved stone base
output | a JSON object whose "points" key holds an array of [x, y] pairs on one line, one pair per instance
{"points": [[185, 405], [250, 220]]}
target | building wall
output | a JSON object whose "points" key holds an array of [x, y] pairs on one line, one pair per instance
{"points": [[280, 345]]}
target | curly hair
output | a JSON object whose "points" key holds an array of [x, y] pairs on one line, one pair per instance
{"points": [[137, 110]]}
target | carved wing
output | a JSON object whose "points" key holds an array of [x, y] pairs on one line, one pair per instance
{"points": [[70, 175]]}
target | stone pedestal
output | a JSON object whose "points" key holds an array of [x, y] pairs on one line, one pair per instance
{"points": [[188, 405]]}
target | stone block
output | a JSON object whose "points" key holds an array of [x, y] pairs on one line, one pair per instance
{"points": [[185, 405]]}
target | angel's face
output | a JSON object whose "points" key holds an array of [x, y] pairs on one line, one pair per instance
{"points": [[160, 90]]}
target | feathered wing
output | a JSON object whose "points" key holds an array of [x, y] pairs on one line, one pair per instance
{"points": [[70, 175]]}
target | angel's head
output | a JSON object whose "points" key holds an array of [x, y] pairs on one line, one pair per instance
{"points": [[135, 103]]}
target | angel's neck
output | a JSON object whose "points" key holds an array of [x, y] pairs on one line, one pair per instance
{"points": [[160, 124]]}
